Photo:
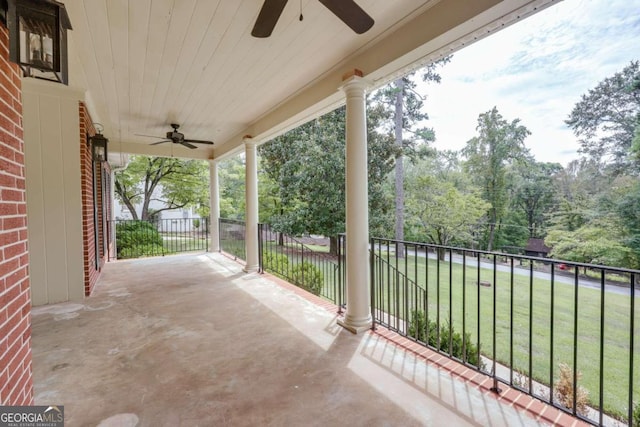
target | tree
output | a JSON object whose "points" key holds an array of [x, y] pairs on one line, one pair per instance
{"points": [[627, 207], [606, 119], [176, 183], [499, 143], [231, 175], [598, 242], [577, 187], [444, 213], [406, 108], [307, 164], [533, 192], [279, 166]]}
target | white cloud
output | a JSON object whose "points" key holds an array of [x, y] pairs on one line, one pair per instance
{"points": [[535, 70]]}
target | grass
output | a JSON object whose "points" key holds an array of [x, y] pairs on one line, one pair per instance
{"points": [[314, 248], [532, 317], [534, 308], [234, 247], [184, 244]]}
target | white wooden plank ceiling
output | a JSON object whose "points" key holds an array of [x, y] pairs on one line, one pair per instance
{"points": [[147, 63]]}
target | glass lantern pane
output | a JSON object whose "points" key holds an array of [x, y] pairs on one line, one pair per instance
{"points": [[37, 32], [99, 153]]}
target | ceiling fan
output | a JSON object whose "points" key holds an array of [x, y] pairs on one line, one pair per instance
{"points": [[347, 10], [177, 138]]}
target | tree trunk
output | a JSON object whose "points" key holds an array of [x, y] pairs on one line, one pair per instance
{"points": [[145, 207], [132, 209], [120, 191], [492, 230], [399, 167]]}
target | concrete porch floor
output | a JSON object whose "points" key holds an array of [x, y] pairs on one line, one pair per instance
{"points": [[191, 340]]}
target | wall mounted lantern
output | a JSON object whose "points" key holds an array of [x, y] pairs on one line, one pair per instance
{"points": [[38, 38], [98, 147]]}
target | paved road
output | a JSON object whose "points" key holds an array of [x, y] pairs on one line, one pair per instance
{"points": [[559, 278]]}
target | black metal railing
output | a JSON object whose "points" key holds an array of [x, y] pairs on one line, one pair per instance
{"points": [[562, 332], [551, 329], [232, 237], [137, 238], [314, 269]]}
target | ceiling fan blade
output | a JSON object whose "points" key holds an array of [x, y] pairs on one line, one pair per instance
{"points": [[186, 144], [160, 142], [350, 13], [199, 141], [148, 136], [268, 17]]}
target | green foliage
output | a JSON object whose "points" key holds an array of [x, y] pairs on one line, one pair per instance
{"points": [[137, 238], [636, 415], [196, 223], [426, 330], [499, 143], [628, 208], [275, 263], [400, 109], [307, 276], [442, 212], [605, 119], [305, 174], [177, 183], [598, 242], [231, 178], [532, 192], [138, 251]]}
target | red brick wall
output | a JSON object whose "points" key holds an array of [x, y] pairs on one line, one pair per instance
{"points": [[16, 385], [89, 228]]}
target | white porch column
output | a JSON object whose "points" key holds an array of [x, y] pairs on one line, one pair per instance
{"points": [[214, 205], [251, 207], [358, 314]]}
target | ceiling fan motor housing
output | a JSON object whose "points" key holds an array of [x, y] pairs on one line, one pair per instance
{"points": [[175, 136]]}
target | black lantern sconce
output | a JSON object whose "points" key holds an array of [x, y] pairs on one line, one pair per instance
{"points": [[98, 145], [38, 38]]}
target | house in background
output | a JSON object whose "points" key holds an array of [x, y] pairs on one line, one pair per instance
{"points": [[166, 220]]}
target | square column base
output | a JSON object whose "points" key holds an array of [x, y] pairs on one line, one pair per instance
{"points": [[354, 329]]}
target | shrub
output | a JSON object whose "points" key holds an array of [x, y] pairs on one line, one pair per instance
{"points": [[137, 237], [426, 330], [138, 251], [275, 263], [196, 223], [564, 390], [635, 422], [307, 276]]}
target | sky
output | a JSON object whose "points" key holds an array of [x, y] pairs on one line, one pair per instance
{"points": [[535, 70]]}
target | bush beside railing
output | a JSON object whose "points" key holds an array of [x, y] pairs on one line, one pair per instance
{"points": [[551, 336], [287, 257], [525, 322], [138, 238]]}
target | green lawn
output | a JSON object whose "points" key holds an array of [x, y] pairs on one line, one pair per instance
{"points": [[184, 244], [532, 307], [234, 247]]}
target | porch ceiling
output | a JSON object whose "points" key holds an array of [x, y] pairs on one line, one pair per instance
{"points": [[145, 64]]}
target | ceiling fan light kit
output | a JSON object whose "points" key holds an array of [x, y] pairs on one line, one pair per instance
{"points": [[347, 10]]}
